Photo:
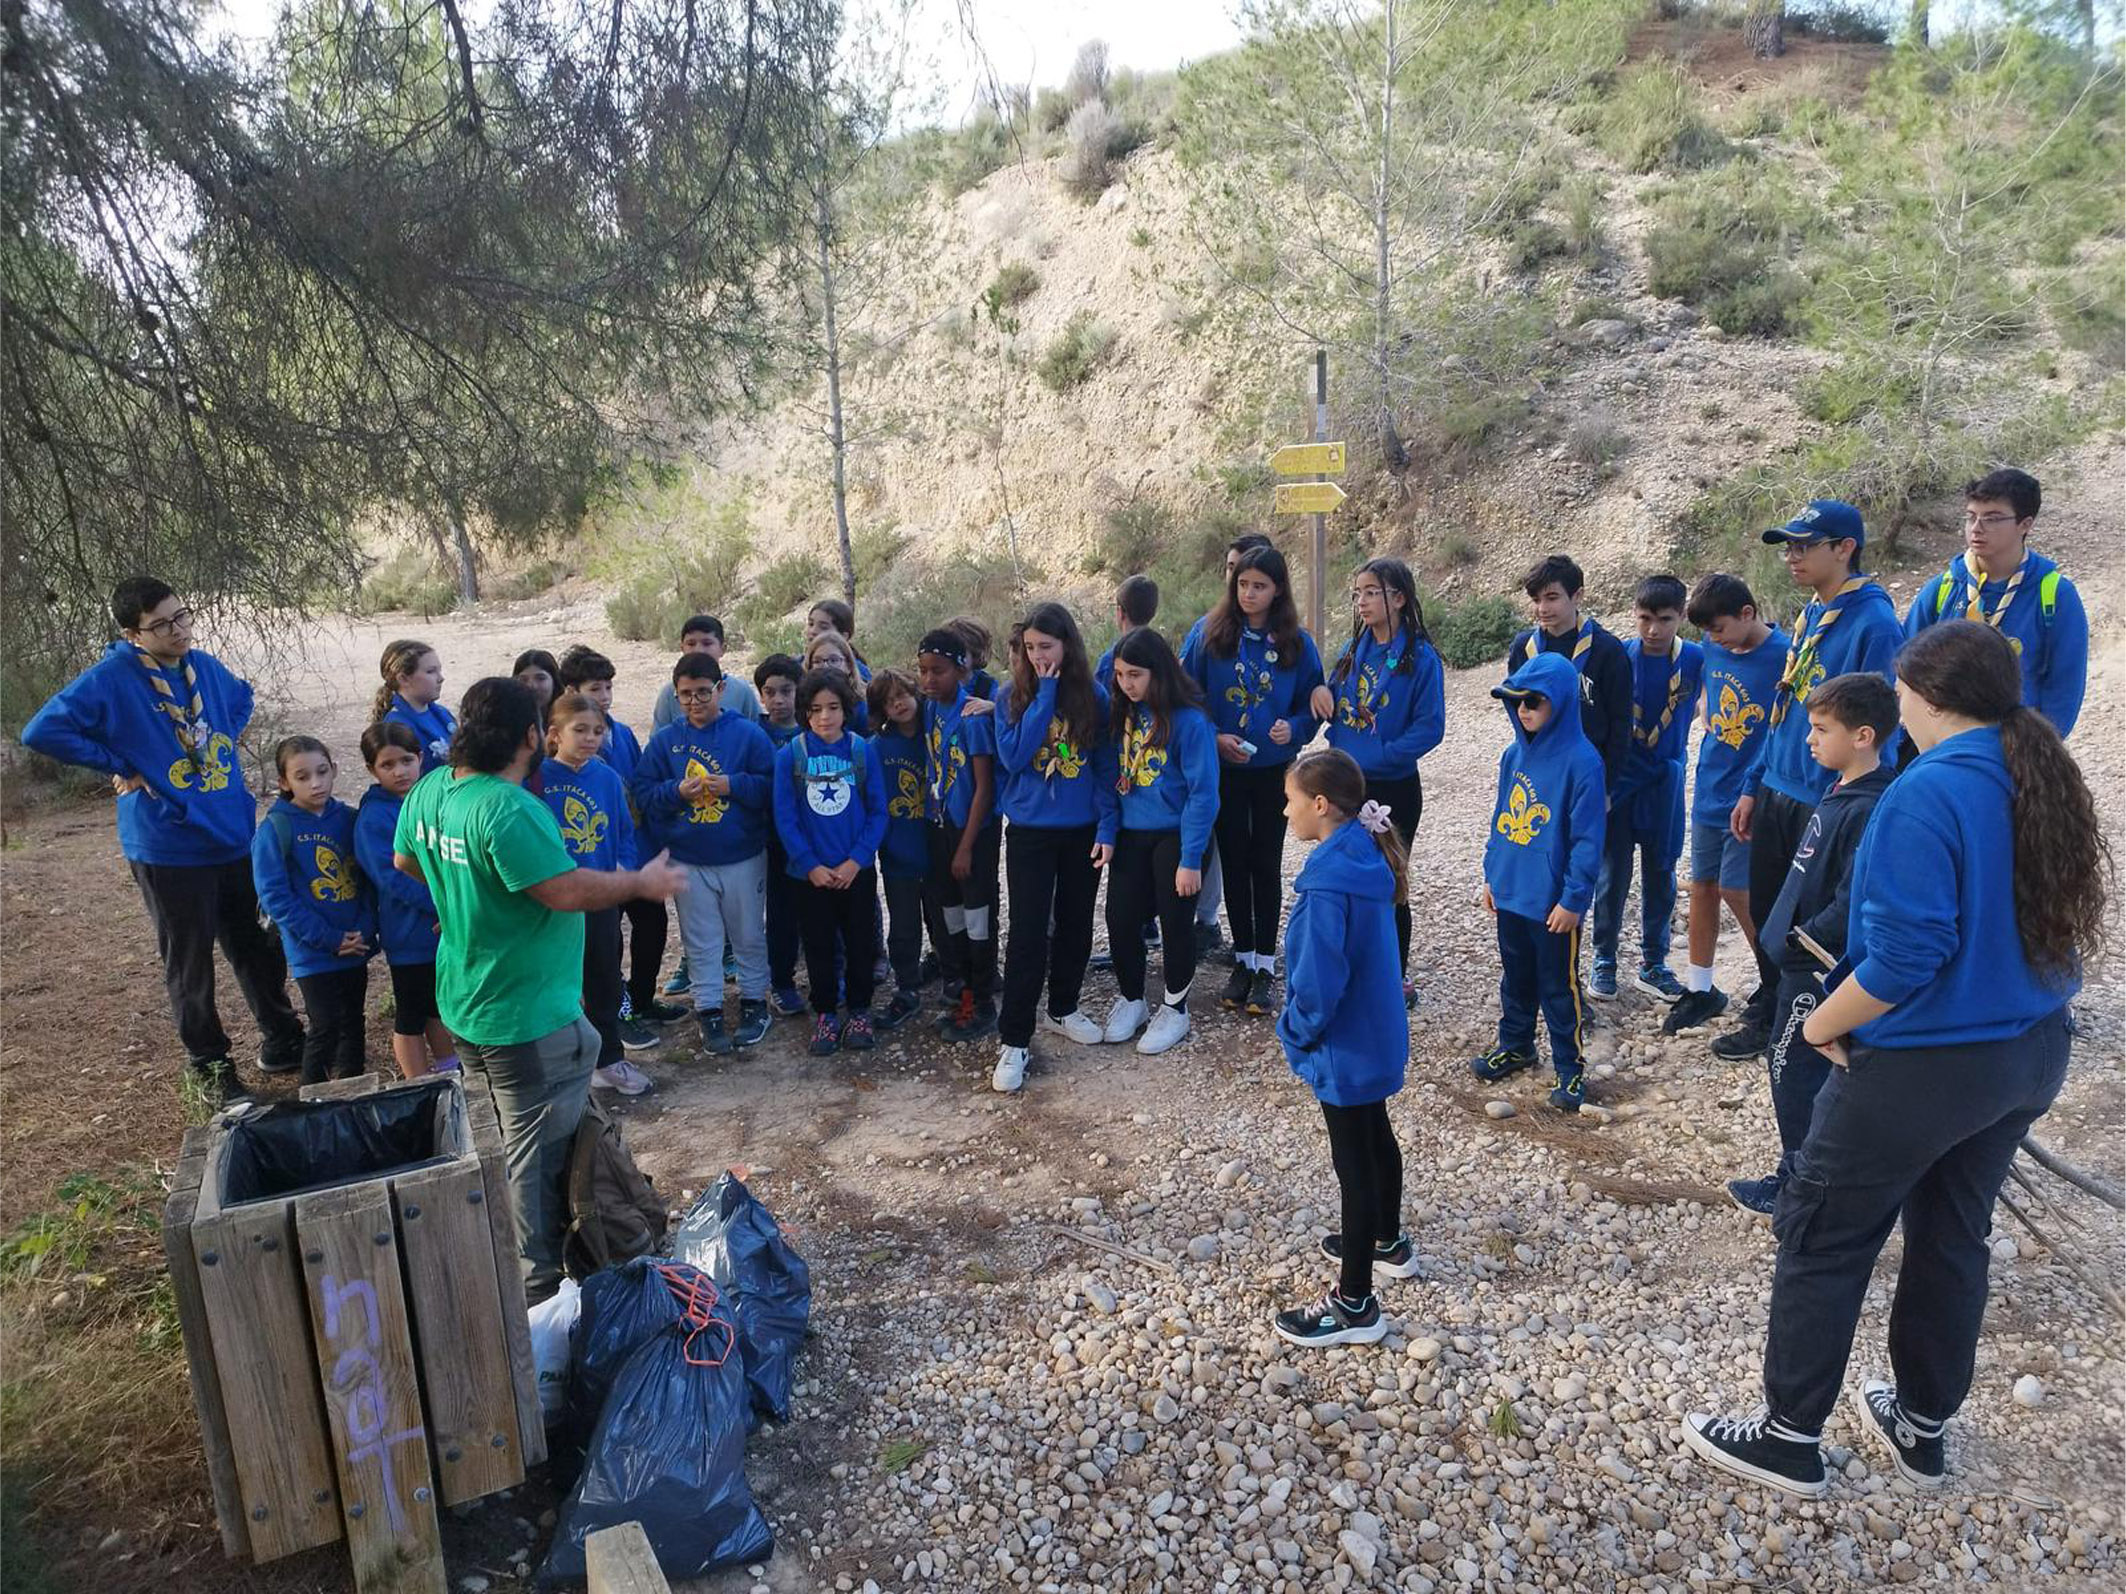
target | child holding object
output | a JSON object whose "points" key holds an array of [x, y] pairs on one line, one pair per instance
{"points": [[406, 913], [1345, 1032]]}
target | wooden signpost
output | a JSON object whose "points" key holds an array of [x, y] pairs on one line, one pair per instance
{"points": [[1320, 497]]}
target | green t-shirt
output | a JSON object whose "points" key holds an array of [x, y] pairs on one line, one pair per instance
{"points": [[510, 969]]}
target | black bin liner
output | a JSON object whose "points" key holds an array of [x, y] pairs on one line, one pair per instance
{"points": [[657, 1376], [733, 1238], [297, 1146]]}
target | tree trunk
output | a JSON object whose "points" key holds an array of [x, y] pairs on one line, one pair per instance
{"points": [[1764, 28], [837, 437], [468, 568], [1917, 25], [1392, 453]]}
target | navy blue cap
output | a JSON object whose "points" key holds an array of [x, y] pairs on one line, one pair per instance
{"points": [[1825, 520]]}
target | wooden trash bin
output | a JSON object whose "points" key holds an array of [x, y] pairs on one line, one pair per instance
{"points": [[347, 1282]]}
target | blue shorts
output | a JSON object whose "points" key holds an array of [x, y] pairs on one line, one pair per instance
{"points": [[1715, 853]]}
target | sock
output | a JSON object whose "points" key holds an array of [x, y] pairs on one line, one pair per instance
{"points": [[1787, 1431], [1925, 1428], [1178, 999], [1697, 977]]}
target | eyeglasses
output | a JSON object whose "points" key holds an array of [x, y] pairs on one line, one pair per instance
{"points": [[698, 695], [183, 617], [1992, 521]]}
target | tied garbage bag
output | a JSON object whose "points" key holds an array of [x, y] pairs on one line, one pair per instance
{"points": [[658, 1349], [730, 1236]]}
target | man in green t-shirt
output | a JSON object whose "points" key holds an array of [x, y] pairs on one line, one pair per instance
{"points": [[509, 974]]}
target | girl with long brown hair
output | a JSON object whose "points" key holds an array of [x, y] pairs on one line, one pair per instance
{"points": [[412, 696]]}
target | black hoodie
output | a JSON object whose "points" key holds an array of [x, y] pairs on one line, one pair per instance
{"points": [[1606, 685], [1816, 896]]}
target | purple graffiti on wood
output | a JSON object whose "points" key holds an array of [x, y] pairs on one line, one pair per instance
{"points": [[358, 1382]]}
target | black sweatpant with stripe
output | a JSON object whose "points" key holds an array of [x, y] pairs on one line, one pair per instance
{"points": [[1539, 971]]}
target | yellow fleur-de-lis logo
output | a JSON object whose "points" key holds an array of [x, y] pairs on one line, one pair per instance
{"points": [[1731, 724], [1141, 761], [1356, 712], [1524, 815], [907, 801], [335, 880], [583, 830], [1060, 758], [212, 770], [706, 809], [1811, 680]]}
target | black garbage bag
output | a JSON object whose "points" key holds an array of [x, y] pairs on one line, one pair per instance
{"points": [[734, 1239], [668, 1446], [621, 1308]]}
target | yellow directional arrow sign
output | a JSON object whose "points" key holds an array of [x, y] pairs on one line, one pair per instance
{"points": [[1308, 459], [1309, 498]]}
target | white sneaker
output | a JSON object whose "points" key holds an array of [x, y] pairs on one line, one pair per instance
{"points": [[1073, 1026], [1124, 1022], [623, 1076], [1010, 1071], [1168, 1029]]}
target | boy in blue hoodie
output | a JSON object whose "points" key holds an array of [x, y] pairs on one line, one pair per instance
{"points": [[702, 791], [960, 888], [1540, 863], [1849, 624], [904, 857], [1646, 797], [775, 680], [303, 865], [161, 718]]}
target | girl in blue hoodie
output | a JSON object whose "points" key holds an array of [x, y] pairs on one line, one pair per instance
{"points": [[1155, 826], [411, 696], [303, 865], [1053, 751], [1385, 704], [1257, 671], [1977, 894], [406, 913], [1345, 1032]]}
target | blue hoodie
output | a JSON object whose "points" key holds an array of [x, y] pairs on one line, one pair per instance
{"points": [[951, 737], [1174, 787], [309, 883], [1248, 692], [622, 750], [822, 812], [1344, 1029], [1738, 707], [2054, 651], [106, 719], [1865, 636], [706, 831], [1545, 846], [435, 725], [1649, 791], [905, 853], [1388, 717], [1933, 926], [590, 805], [406, 913], [1045, 781]]}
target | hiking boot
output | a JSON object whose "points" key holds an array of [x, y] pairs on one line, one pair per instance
{"points": [[1761, 1449], [1755, 1195], [1692, 1009], [1334, 1321], [973, 1019], [1397, 1260], [826, 1036], [958, 1008], [1124, 1022], [1169, 1028], [904, 1006], [1656, 980], [857, 1035], [1234, 992], [753, 1022], [1743, 1045], [218, 1082], [1010, 1072], [1914, 1442], [680, 982], [785, 1002], [1602, 982], [622, 1076], [1073, 1026], [634, 1036], [714, 1037], [281, 1057], [1499, 1062], [1571, 1091], [656, 1012], [1262, 994]]}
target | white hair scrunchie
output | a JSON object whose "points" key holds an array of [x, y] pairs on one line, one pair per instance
{"points": [[1374, 817]]}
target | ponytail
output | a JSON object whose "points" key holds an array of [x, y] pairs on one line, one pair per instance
{"points": [[2063, 864], [1333, 775], [400, 658]]}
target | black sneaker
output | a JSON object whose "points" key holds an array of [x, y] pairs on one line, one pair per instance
{"points": [[714, 1037], [1761, 1449], [1262, 994], [635, 1036], [1916, 1445], [904, 1006], [1692, 1009], [785, 1002], [218, 1083], [1571, 1091], [281, 1057], [1497, 1063], [1658, 980], [753, 1022], [1210, 943], [656, 1012], [973, 1020], [1334, 1321], [1755, 1195], [826, 1036], [1743, 1045], [1396, 1261], [1235, 990]]}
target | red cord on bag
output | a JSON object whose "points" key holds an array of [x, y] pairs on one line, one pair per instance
{"points": [[696, 1295]]}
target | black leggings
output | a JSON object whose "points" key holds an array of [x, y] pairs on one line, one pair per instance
{"points": [[333, 1002], [649, 926], [840, 930], [1404, 798], [602, 984], [1140, 880], [1369, 1172], [1250, 834], [1046, 868]]}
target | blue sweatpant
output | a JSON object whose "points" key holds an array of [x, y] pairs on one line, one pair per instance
{"points": [[1539, 970], [1657, 894]]}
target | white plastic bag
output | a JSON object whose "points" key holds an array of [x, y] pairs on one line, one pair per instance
{"points": [[552, 1322]]}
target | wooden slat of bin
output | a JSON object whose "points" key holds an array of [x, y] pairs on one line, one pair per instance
{"points": [[199, 1358], [259, 1327], [509, 1268], [466, 1380], [619, 1560], [342, 1089], [364, 1355]]}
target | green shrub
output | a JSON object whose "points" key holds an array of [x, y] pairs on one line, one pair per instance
{"points": [[1600, 307], [1475, 631], [1011, 287], [1078, 350], [2088, 309], [1654, 120], [1839, 22], [407, 581], [875, 550], [534, 580], [697, 578], [1596, 437], [1533, 243], [973, 152], [1465, 425], [893, 619], [795, 578], [1089, 155], [1721, 244], [1132, 538], [1581, 201]]}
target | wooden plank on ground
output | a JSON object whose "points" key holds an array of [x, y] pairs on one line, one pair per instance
{"points": [[509, 1268], [364, 1353], [177, 1216], [619, 1560], [466, 1380], [259, 1326]]}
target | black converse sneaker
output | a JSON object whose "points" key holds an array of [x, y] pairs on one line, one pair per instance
{"points": [[1915, 1443], [1762, 1449], [1396, 1261], [1334, 1321]]}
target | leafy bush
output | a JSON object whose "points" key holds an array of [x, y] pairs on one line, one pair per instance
{"points": [[534, 580], [2088, 309], [1581, 201], [1474, 632], [1533, 243], [1839, 21], [875, 550], [698, 578], [973, 152], [1721, 244], [895, 616], [1011, 287], [1653, 120], [1051, 109], [1132, 537], [1596, 437], [1600, 307], [792, 579], [407, 581], [1465, 425], [1089, 150], [1084, 343]]}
